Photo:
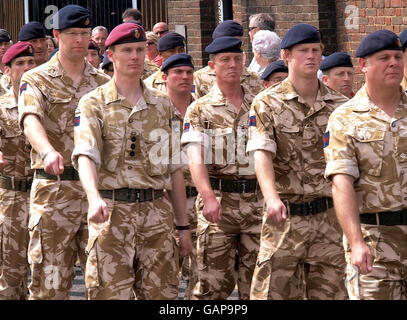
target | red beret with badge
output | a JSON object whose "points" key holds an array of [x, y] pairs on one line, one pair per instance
{"points": [[126, 33], [20, 49]]}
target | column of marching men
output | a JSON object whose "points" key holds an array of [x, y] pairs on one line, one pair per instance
{"points": [[118, 157]]}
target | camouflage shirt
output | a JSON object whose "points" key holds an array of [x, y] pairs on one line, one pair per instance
{"points": [[149, 69], [156, 81], [14, 145], [214, 122], [5, 82], [205, 78], [366, 143], [130, 145], [282, 123], [48, 92]]}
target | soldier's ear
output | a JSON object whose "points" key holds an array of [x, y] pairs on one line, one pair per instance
{"points": [[362, 62], [211, 65], [7, 70]]}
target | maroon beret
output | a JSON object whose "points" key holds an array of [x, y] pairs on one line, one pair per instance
{"points": [[126, 33], [20, 49]]}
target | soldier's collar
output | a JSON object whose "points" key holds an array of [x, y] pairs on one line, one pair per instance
{"points": [[54, 67], [217, 97]]}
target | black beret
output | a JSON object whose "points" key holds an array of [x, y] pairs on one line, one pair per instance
{"points": [[126, 33], [72, 16], [105, 62], [228, 28], [224, 44], [4, 36], [20, 49], [300, 33], [336, 59], [276, 66], [170, 41], [31, 30], [403, 38], [92, 46], [177, 60], [377, 41]]}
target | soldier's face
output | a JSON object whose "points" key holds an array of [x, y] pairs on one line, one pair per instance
{"points": [[383, 68], [275, 78], [18, 67], [168, 53], [99, 37], [3, 48], [179, 79], [73, 42], [304, 58], [93, 58], [128, 58], [40, 49], [228, 66], [340, 79]]}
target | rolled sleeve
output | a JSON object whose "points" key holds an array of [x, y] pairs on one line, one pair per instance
{"points": [[341, 167], [30, 101]]}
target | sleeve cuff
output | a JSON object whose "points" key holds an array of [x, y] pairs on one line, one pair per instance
{"points": [[195, 137], [341, 167], [261, 144], [91, 153], [26, 112]]}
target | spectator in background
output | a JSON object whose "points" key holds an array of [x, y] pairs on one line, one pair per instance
{"points": [[257, 22], [132, 14], [266, 48], [160, 29], [51, 44], [93, 56], [152, 50], [99, 36]]}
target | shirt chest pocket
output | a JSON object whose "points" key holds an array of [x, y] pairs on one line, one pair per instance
{"points": [[223, 146], [288, 141], [60, 115], [369, 147], [112, 147], [156, 152]]}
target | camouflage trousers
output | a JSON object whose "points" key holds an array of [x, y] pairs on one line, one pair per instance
{"points": [[300, 259], [58, 234], [227, 250], [133, 253], [188, 264], [14, 268], [388, 279]]}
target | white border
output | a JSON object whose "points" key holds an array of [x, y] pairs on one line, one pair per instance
{"points": [[26, 11]]}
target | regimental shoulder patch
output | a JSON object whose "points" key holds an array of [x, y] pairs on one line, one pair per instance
{"points": [[193, 89], [23, 87], [252, 121], [77, 120], [186, 126], [326, 139]]}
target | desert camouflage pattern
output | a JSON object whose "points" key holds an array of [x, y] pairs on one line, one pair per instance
{"points": [[205, 78], [58, 235], [49, 93], [404, 83], [370, 146], [212, 120], [5, 82], [292, 262], [123, 139], [237, 234], [13, 204], [156, 81], [387, 280], [227, 251], [315, 241], [149, 69], [134, 249], [283, 124]]}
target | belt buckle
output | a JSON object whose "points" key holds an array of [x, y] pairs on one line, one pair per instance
{"points": [[243, 186], [137, 194]]}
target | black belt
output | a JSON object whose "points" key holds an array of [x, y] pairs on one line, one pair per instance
{"points": [[68, 174], [132, 195], [191, 192], [386, 218], [15, 184], [311, 207], [234, 186]]}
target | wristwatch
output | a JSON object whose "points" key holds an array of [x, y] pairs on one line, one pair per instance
{"points": [[44, 154]]}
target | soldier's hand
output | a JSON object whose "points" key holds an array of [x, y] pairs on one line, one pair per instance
{"points": [[212, 210], [361, 257], [54, 163], [185, 242], [276, 210], [98, 211], [2, 161]]}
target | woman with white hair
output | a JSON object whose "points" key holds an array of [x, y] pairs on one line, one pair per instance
{"points": [[266, 48]]}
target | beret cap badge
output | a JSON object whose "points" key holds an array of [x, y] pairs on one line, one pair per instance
{"points": [[398, 42], [87, 22], [136, 33]]}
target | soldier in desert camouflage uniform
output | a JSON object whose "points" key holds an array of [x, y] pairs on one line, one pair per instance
{"points": [[5, 82], [205, 78], [300, 253], [121, 141], [149, 69], [366, 154], [49, 95], [229, 202], [15, 180], [170, 44]]}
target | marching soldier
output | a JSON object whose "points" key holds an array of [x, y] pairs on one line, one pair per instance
{"points": [[229, 202], [366, 154], [49, 95], [34, 32], [15, 180], [5, 43], [300, 252], [118, 127]]}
